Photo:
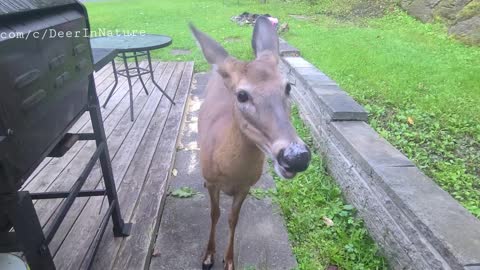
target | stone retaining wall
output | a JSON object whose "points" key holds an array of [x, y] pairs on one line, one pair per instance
{"points": [[416, 224]]}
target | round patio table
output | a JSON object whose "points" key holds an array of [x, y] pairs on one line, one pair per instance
{"points": [[132, 46]]}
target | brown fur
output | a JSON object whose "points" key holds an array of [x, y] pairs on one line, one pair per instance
{"points": [[234, 136]]}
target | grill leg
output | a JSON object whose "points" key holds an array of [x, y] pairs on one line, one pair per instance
{"points": [[119, 227], [29, 233], [114, 85]]}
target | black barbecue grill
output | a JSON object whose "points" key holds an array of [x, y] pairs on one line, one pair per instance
{"points": [[46, 84]]}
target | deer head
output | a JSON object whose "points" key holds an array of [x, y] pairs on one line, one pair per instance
{"points": [[260, 97]]}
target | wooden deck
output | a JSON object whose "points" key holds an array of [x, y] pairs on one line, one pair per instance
{"points": [[141, 152]]}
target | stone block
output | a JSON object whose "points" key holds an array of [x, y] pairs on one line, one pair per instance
{"points": [[452, 230], [366, 146], [325, 92], [296, 62], [287, 49]]}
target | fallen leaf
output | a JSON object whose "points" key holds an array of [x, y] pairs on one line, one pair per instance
{"points": [[258, 193], [410, 121], [184, 192], [174, 172], [328, 221]]}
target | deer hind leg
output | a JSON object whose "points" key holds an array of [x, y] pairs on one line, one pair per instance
{"points": [[232, 221], [214, 193]]}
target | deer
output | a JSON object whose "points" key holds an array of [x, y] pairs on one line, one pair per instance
{"points": [[245, 116]]}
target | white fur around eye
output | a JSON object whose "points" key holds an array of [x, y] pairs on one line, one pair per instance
{"points": [[247, 108]]}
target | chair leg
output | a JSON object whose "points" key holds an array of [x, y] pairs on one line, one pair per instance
{"points": [[114, 85], [130, 88], [138, 72], [153, 78]]}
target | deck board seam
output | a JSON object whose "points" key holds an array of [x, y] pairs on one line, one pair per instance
{"points": [[165, 184], [169, 152], [151, 160]]}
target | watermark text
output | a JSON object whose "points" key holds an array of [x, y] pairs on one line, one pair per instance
{"points": [[52, 33]]}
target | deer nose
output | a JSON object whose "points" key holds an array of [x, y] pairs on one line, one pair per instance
{"points": [[294, 158]]}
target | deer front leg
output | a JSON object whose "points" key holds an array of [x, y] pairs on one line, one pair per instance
{"points": [[232, 221], [214, 193]]}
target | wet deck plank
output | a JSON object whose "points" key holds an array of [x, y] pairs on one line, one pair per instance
{"points": [[141, 152]]}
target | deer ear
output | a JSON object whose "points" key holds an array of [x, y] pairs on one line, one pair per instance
{"points": [[265, 38], [213, 52]]}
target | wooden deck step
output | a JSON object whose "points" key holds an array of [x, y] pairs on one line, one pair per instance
{"points": [[141, 153], [126, 139], [118, 136]]}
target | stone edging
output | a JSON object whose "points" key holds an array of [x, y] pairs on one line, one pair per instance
{"points": [[416, 224]]}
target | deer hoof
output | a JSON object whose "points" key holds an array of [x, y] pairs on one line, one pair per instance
{"points": [[207, 266], [208, 262], [228, 265]]}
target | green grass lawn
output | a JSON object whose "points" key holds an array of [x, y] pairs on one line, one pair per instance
{"points": [[395, 66], [400, 69], [309, 202], [422, 90]]}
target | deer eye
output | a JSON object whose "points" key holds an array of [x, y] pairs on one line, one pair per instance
{"points": [[242, 96], [288, 88]]}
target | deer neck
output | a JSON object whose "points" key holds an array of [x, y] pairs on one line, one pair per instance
{"points": [[241, 146]]}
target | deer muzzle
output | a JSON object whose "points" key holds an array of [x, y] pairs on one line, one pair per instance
{"points": [[293, 159]]}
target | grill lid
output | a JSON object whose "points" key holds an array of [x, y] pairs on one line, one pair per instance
{"points": [[8, 7]]}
